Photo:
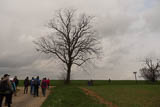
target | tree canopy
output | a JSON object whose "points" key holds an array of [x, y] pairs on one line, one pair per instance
{"points": [[74, 40]]}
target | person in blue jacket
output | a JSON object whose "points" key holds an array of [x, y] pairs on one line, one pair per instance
{"points": [[36, 86], [32, 86]]}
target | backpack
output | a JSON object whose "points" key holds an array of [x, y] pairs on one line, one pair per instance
{"points": [[16, 81], [36, 82], [32, 82], [26, 82], [4, 86], [44, 84]]}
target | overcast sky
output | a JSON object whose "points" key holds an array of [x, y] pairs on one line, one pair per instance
{"points": [[129, 31]]}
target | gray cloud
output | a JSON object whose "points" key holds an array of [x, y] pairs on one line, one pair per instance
{"points": [[129, 32]]}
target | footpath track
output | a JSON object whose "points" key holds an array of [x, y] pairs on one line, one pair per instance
{"points": [[99, 98], [27, 100]]}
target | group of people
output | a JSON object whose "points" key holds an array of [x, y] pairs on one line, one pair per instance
{"points": [[8, 87], [34, 84]]}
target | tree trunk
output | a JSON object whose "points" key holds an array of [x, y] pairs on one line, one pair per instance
{"points": [[67, 81]]}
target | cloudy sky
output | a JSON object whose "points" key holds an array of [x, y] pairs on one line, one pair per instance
{"points": [[129, 31]]}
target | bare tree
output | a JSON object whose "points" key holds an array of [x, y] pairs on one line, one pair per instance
{"points": [[73, 42], [151, 70]]}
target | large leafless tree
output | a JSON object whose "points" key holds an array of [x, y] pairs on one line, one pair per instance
{"points": [[151, 70], [73, 42]]}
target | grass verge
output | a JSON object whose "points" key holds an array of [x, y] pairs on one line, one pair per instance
{"points": [[69, 96]]}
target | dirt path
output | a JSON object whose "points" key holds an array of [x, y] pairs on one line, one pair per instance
{"points": [[27, 100], [99, 98]]}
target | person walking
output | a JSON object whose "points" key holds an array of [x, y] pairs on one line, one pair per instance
{"points": [[16, 81], [36, 86], [12, 92], [32, 86], [26, 84], [44, 86], [5, 90], [14, 86]]}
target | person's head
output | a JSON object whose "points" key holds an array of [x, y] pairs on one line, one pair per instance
{"points": [[15, 77], [32, 78], [6, 76], [37, 77], [27, 78]]}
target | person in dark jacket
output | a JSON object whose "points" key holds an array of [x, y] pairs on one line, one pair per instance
{"points": [[36, 86], [26, 84], [5, 90], [12, 92], [32, 86]]}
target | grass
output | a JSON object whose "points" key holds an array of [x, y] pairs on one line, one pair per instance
{"points": [[130, 95], [69, 96], [126, 93]]}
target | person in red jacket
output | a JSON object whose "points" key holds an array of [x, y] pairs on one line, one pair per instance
{"points": [[44, 86]]}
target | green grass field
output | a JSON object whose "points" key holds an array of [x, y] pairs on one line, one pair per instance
{"points": [[69, 96], [130, 95], [121, 93]]}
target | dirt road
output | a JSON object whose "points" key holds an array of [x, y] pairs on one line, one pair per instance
{"points": [[27, 100]]}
